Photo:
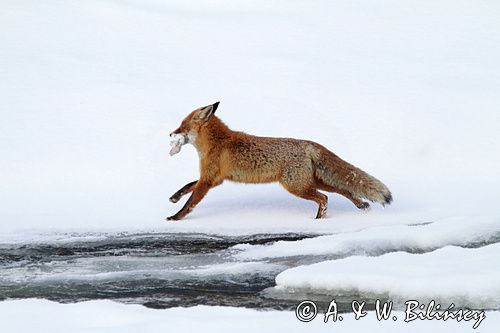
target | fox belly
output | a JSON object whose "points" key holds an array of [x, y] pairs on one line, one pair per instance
{"points": [[251, 167], [255, 176], [263, 160], [242, 170]]}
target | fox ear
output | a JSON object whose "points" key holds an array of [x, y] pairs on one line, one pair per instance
{"points": [[215, 106], [207, 111]]}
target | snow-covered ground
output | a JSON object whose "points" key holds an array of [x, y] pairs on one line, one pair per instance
{"points": [[110, 317], [90, 91], [406, 90]]}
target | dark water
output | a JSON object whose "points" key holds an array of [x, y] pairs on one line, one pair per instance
{"points": [[156, 270], [160, 270]]}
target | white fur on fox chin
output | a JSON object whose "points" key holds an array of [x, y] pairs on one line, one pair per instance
{"points": [[176, 142]]}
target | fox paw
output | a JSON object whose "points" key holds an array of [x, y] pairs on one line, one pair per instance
{"points": [[172, 218], [174, 199], [364, 206], [321, 212]]}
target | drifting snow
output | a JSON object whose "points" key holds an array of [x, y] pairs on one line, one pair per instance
{"points": [[460, 231], [467, 277]]}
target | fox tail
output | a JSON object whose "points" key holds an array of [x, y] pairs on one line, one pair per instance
{"points": [[335, 172]]}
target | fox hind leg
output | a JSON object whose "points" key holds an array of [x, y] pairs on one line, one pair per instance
{"points": [[298, 179], [319, 198], [314, 195], [357, 202]]}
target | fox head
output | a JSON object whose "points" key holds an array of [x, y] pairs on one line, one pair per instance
{"points": [[191, 125]]}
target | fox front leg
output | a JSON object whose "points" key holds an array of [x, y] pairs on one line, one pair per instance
{"points": [[199, 191], [188, 188]]}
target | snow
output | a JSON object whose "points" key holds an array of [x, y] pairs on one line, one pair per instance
{"points": [[176, 142], [91, 91], [466, 277], [460, 231], [109, 317], [406, 90]]}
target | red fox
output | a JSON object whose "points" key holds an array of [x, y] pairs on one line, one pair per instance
{"points": [[302, 167]]}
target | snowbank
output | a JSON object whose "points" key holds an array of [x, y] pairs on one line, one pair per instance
{"points": [[460, 231], [467, 277]]}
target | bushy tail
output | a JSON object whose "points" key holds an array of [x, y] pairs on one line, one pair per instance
{"points": [[334, 171]]}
